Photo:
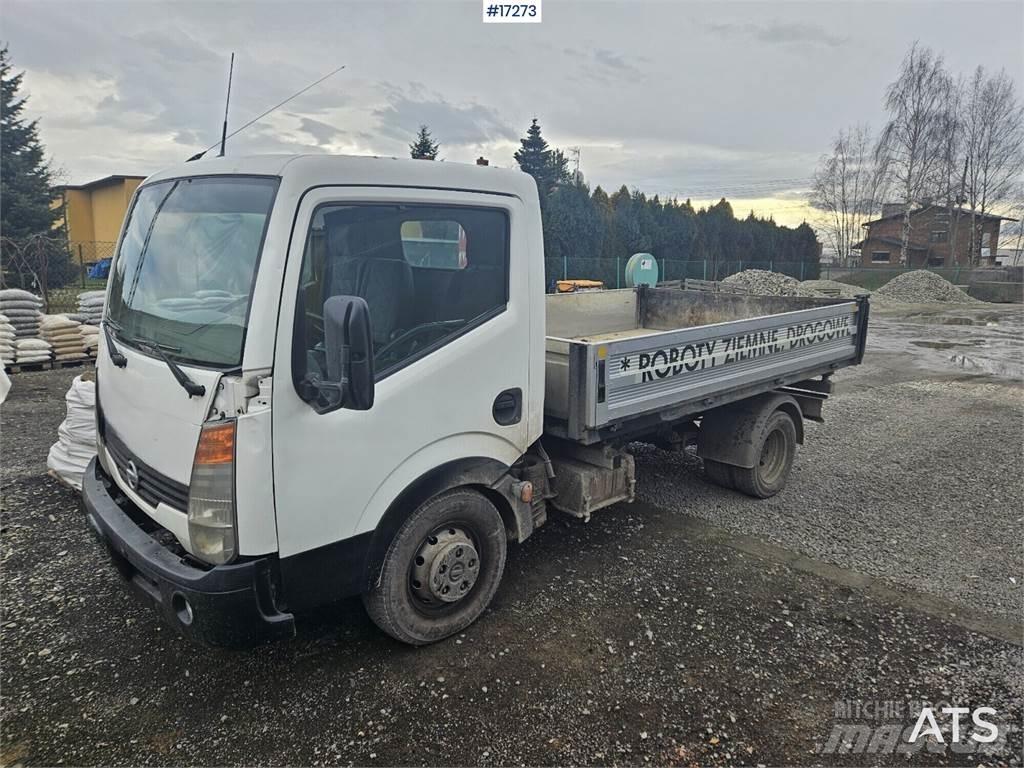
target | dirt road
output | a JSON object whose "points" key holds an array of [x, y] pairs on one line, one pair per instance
{"points": [[696, 626]]}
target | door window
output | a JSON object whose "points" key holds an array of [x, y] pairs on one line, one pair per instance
{"points": [[427, 273]]}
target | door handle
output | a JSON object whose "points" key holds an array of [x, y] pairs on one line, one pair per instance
{"points": [[508, 407]]}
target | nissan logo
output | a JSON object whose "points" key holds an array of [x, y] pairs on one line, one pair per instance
{"points": [[131, 475]]}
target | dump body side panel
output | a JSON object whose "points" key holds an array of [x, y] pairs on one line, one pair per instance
{"points": [[600, 382]]}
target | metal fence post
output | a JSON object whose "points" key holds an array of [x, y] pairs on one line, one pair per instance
{"points": [[565, 267], [705, 269], [81, 265], [617, 272], [802, 265]]}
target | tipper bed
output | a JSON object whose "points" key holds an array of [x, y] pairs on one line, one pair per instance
{"points": [[650, 354]]}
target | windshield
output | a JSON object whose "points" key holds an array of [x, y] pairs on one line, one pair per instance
{"points": [[184, 272]]}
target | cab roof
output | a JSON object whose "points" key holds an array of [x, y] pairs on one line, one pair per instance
{"points": [[351, 170]]}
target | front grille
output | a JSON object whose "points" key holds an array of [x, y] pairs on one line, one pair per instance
{"points": [[153, 486]]}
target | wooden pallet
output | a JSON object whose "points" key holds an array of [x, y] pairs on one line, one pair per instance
{"points": [[713, 286], [29, 367]]}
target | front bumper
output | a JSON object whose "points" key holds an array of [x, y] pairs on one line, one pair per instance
{"points": [[227, 605]]}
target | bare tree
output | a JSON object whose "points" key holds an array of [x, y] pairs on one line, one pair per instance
{"points": [[912, 143], [1011, 236], [847, 188], [994, 145]]}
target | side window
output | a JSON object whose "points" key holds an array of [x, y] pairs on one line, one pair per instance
{"points": [[427, 274]]}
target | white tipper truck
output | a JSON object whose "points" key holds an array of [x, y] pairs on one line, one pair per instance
{"points": [[321, 377]]}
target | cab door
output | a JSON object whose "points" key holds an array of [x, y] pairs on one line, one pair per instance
{"points": [[445, 275]]}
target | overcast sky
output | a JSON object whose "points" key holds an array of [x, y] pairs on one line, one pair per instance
{"points": [[687, 98]]}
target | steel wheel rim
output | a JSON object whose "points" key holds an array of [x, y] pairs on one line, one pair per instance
{"points": [[773, 456], [445, 569]]}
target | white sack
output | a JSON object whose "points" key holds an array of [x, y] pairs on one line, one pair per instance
{"points": [[76, 436]]}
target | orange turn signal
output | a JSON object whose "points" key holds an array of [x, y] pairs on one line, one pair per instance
{"points": [[216, 444]]}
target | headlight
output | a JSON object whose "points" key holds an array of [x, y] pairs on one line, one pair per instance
{"points": [[211, 495]]}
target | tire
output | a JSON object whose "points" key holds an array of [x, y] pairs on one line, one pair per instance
{"points": [[718, 473], [453, 539], [775, 449]]}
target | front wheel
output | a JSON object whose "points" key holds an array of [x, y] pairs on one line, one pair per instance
{"points": [[775, 452], [441, 570]]}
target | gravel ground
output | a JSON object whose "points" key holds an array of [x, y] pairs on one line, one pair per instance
{"points": [[915, 476], [882, 573]]}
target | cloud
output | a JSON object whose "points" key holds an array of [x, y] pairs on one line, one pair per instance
{"points": [[458, 124], [604, 64], [779, 33], [322, 133]]}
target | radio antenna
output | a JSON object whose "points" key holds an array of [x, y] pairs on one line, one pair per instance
{"points": [[264, 114], [227, 103]]}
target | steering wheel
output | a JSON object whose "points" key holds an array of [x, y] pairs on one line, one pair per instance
{"points": [[411, 340]]}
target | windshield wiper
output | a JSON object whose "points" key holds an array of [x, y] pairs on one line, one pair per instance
{"points": [[193, 389], [115, 355]]}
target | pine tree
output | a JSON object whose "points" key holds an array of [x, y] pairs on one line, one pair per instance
{"points": [[25, 178], [548, 167], [424, 148]]}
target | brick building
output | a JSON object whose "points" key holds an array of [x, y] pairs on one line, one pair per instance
{"points": [[932, 229]]}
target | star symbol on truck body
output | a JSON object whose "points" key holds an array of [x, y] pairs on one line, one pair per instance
{"points": [[624, 364]]}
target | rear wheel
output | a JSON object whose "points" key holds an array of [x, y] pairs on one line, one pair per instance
{"points": [[775, 450], [441, 570]]}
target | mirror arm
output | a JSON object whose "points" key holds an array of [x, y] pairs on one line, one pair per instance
{"points": [[324, 395]]}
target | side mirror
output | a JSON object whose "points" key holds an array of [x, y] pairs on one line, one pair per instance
{"points": [[348, 343]]}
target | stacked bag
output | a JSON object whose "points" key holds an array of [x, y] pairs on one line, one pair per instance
{"points": [[76, 436], [28, 351], [90, 339], [64, 336], [23, 310], [7, 338], [90, 306]]}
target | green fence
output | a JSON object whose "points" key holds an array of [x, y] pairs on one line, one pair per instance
{"points": [[612, 271], [873, 278]]}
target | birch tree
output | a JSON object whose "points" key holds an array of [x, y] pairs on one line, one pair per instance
{"points": [[994, 144], [911, 144], [847, 188]]}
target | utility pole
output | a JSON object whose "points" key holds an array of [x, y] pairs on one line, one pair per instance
{"points": [[575, 152]]}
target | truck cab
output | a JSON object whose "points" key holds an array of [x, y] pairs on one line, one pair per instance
{"points": [[263, 487]]}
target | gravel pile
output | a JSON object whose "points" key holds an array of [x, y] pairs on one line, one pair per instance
{"points": [[761, 282], [923, 287], [815, 289]]}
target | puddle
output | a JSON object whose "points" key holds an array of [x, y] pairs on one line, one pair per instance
{"points": [[987, 365], [949, 344], [982, 343]]}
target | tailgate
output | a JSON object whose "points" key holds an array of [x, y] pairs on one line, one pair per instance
{"points": [[710, 364]]}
